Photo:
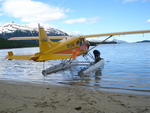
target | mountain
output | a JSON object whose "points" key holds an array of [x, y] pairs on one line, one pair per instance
{"points": [[119, 41], [15, 30], [144, 41]]}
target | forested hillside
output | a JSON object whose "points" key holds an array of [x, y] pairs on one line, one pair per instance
{"points": [[5, 44]]}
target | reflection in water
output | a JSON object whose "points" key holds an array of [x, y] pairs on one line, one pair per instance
{"points": [[98, 75], [75, 76]]}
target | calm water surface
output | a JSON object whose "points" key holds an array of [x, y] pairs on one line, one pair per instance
{"points": [[127, 68]]}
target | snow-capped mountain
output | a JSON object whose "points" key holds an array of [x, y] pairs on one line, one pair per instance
{"points": [[12, 29]]}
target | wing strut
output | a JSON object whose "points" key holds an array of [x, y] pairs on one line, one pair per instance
{"points": [[100, 43]]}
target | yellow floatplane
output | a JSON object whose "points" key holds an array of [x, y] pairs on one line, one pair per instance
{"points": [[69, 47]]}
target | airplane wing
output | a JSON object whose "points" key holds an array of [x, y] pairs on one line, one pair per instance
{"points": [[36, 38], [83, 36], [112, 34], [117, 33], [23, 38]]}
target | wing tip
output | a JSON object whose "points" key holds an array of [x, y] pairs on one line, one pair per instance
{"points": [[12, 38]]}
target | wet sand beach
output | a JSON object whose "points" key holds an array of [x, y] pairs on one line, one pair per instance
{"points": [[40, 98]]}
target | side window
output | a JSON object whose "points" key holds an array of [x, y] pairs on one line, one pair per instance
{"points": [[82, 41], [77, 42]]}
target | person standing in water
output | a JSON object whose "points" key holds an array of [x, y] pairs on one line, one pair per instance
{"points": [[97, 56]]}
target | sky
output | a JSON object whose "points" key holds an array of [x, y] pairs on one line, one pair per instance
{"points": [[81, 17]]}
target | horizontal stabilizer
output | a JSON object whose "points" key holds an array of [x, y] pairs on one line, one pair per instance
{"points": [[11, 56]]}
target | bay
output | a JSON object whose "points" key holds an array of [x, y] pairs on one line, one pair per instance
{"points": [[126, 68]]}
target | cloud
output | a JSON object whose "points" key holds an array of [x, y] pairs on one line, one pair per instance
{"points": [[74, 33], [32, 11], [83, 20], [145, 0], [126, 1], [1, 14], [148, 21], [79, 20]]}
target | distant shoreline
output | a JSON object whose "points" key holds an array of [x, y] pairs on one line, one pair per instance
{"points": [[9, 44], [96, 43], [144, 41]]}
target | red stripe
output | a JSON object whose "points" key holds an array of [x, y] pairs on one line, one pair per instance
{"points": [[85, 47]]}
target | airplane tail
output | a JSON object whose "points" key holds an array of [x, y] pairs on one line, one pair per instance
{"points": [[44, 42]]}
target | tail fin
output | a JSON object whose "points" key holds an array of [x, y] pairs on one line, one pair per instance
{"points": [[44, 43]]}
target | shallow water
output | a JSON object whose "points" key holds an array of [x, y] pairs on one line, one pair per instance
{"points": [[126, 68]]}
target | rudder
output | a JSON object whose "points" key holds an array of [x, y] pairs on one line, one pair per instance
{"points": [[44, 43]]}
